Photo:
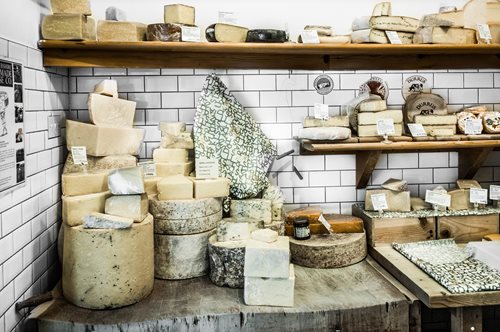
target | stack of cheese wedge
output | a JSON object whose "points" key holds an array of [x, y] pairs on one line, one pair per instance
{"points": [[369, 111]]}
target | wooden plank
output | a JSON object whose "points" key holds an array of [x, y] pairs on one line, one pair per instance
{"points": [[365, 164], [467, 228], [470, 160], [466, 319]]}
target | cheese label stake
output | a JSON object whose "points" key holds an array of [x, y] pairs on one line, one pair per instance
{"points": [[495, 192], [473, 126], [190, 34], [437, 198], [379, 202], [417, 130], [321, 111], [479, 196], [484, 32], [393, 37], [385, 127], [325, 223], [309, 37], [207, 168], [79, 154], [148, 167]]}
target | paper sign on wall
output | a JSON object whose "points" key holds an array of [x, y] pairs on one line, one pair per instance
{"points": [[207, 168]]}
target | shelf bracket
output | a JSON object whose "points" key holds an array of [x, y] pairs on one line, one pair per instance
{"points": [[470, 160], [365, 164]]}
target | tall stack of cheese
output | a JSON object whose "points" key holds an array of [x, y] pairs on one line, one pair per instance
{"points": [[175, 17], [370, 111], [430, 110], [70, 21]]}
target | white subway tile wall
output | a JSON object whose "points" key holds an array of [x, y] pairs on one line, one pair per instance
{"points": [[30, 216]]}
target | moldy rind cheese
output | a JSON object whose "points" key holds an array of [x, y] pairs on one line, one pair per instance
{"points": [[184, 209]]}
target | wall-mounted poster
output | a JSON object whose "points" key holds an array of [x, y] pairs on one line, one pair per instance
{"points": [[12, 135]]}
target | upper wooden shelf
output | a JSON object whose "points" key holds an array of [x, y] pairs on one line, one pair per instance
{"points": [[267, 56]]}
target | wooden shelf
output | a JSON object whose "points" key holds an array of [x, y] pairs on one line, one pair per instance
{"points": [[266, 56]]}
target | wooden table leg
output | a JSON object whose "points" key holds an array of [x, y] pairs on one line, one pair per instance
{"points": [[466, 319]]}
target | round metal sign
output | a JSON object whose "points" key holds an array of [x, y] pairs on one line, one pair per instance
{"points": [[415, 84], [323, 84], [375, 86]]}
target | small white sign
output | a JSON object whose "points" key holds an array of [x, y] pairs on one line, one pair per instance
{"points": [[417, 130], [309, 37], [79, 154], [385, 127], [437, 198], [379, 202], [321, 111], [190, 34], [479, 196], [148, 168], [325, 223], [484, 32], [207, 168], [495, 192], [228, 17], [473, 126], [393, 37]]}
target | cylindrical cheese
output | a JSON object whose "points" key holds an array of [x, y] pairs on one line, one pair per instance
{"points": [[227, 261], [108, 268], [184, 209], [187, 226]]}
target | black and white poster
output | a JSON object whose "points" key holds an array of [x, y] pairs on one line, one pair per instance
{"points": [[12, 140]]}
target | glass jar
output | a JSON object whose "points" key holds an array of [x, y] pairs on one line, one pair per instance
{"points": [[301, 229]]}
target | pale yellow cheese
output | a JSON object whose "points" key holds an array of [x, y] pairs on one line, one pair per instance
{"points": [[107, 88], [76, 184], [135, 207], [450, 119], [100, 163], [121, 31], [150, 183], [174, 188], [180, 14], [207, 188], [440, 130], [371, 130], [68, 27], [161, 155], [74, 208], [370, 118], [373, 105], [167, 169], [71, 7], [444, 35], [106, 111], [396, 200], [334, 121], [229, 33]]}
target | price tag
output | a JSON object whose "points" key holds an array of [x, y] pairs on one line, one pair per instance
{"points": [[393, 37], [495, 192], [484, 32], [207, 168], [79, 154], [473, 126], [417, 130], [325, 223], [385, 127], [479, 196], [309, 37], [148, 168], [321, 111], [437, 198], [379, 202], [190, 34], [228, 17]]}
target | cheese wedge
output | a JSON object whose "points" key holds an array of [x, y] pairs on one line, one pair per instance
{"points": [[180, 14], [68, 27], [76, 184], [361, 23], [74, 208], [382, 9], [396, 201], [71, 7], [107, 88], [228, 33], [106, 111], [440, 35], [135, 207], [394, 23]]}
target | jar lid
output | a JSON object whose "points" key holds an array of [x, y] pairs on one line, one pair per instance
{"points": [[301, 222]]}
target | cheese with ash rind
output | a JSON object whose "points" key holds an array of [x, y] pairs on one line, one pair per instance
{"points": [[443, 35], [168, 169], [71, 7], [382, 9], [371, 118], [166, 32], [107, 88], [373, 105], [447, 19], [161, 155], [135, 207], [450, 119], [126, 181], [270, 291], [396, 201], [122, 260], [394, 23], [229, 33], [74, 208], [254, 208], [265, 235], [184, 209], [75, 184], [227, 260], [68, 27], [205, 188], [231, 229], [98, 220], [334, 121], [106, 111], [267, 260], [121, 31], [99, 163], [180, 14], [182, 141], [371, 130], [187, 226], [174, 187]]}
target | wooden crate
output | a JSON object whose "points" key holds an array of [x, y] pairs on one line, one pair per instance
{"points": [[466, 228]]}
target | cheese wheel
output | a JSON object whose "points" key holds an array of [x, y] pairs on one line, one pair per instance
{"points": [[184, 209], [227, 261], [491, 122], [462, 117], [187, 226], [108, 268], [339, 224]]}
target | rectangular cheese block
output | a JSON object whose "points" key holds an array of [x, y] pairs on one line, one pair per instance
{"points": [[106, 111], [103, 141], [252, 208], [121, 31], [180, 14], [334, 121], [270, 291], [105, 221], [162, 155], [172, 128], [440, 35], [182, 141], [373, 105], [311, 213], [394, 23], [410, 114], [440, 130], [396, 201], [68, 27], [75, 184], [99, 163], [460, 200], [71, 7], [74, 208], [371, 118], [175, 187], [229, 33], [450, 119], [107, 88], [167, 169], [150, 184], [371, 130], [467, 184], [207, 188], [233, 231], [129, 206], [267, 260], [126, 181]]}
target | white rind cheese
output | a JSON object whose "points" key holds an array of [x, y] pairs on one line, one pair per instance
{"points": [[382, 9], [107, 88], [74, 208], [252, 208], [76, 184], [371, 130], [135, 207], [179, 14], [373, 105], [265, 235], [107, 111], [448, 19], [181, 141], [172, 128], [267, 260], [184, 209], [161, 155], [270, 291], [325, 133], [371, 118], [98, 220], [174, 187], [360, 23]]}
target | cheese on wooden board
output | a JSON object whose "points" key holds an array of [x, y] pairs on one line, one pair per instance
{"points": [[491, 122], [230, 228], [180, 14], [360, 23], [371, 130], [396, 201], [322, 30], [162, 155], [120, 31], [371, 118], [267, 260], [135, 207], [252, 208], [150, 185], [97, 220], [181, 256], [172, 128], [106, 111], [168, 169], [174, 187], [334, 121], [448, 19], [338, 223], [187, 226], [229, 33], [325, 133], [115, 14], [418, 204], [311, 213], [76, 184], [382, 9], [205, 188], [103, 141], [450, 119], [462, 117], [264, 235], [440, 35], [270, 291], [460, 200], [126, 181], [182, 141], [74, 208], [394, 23], [184, 209], [166, 32], [440, 130], [372, 105], [227, 260], [107, 88], [71, 7], [121, 260], [68, 27], [467, 184]]}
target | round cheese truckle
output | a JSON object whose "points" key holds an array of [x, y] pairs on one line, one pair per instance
{"points": [[108, 268], [227, 262], [184, 209]]}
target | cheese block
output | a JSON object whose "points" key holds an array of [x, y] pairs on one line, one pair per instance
{"points": [[135, 207], [270, 291], [126, 181], [491, 122], [115, 14], [325, 133], [266, 36], [75, 184], [372, 105], [235, 229], [495, 35], [184, 209], [371, 130], [396, 201], [467, 184], [228, 33], [447, 19], [103, 141], [205, 188], [172, 128], [174, 187], [252, 208], [97, 220], [440, 35], [68, 27], [107, 88], [161, 155], [311, 213], [277, 226], [460, 200], [182, 141], [450, 119], [322, 30], [326, 251], [338, 223], [74, 208], [111, 112], [371, 118], [71, 7], [264, 235], [440, 130], [187, 226], [168, 169], [120, 31], [361, 23], [338, 39], [394, 23], [462, 117], [378, 37], [227, 260], [180, 14], [418, 204], [334, 121], [150, 185], [121, 260], [166, 32], [181, 256], [424, 104], [395, 185], [382, 9], [99, 163], [492, 237], [267, 260]]}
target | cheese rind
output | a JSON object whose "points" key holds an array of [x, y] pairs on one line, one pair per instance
{"points": [[161, 155], [166, 32], [491, 122], [227, 260], [126, 181], [396, 201], [97, 220], [394, 23], [121, 31], [334, 121], [468, 184], [150, 185], [172, 128], [460, 200], [187, 226], [184, 209], [169, 169], [180, 14], [311, 213], [450, 119], [76, 184], [71, 7], [373, 105], [270, 291], [206, 188], [369, 118], [107, 88], [371, 130], [322, 30], [131, 206], [252, 208], [115, 14], [448, 19], [68, 27], [175, 187], [111, 112], [99, 163], [267, 260], [74, 208], [228, 227]]}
